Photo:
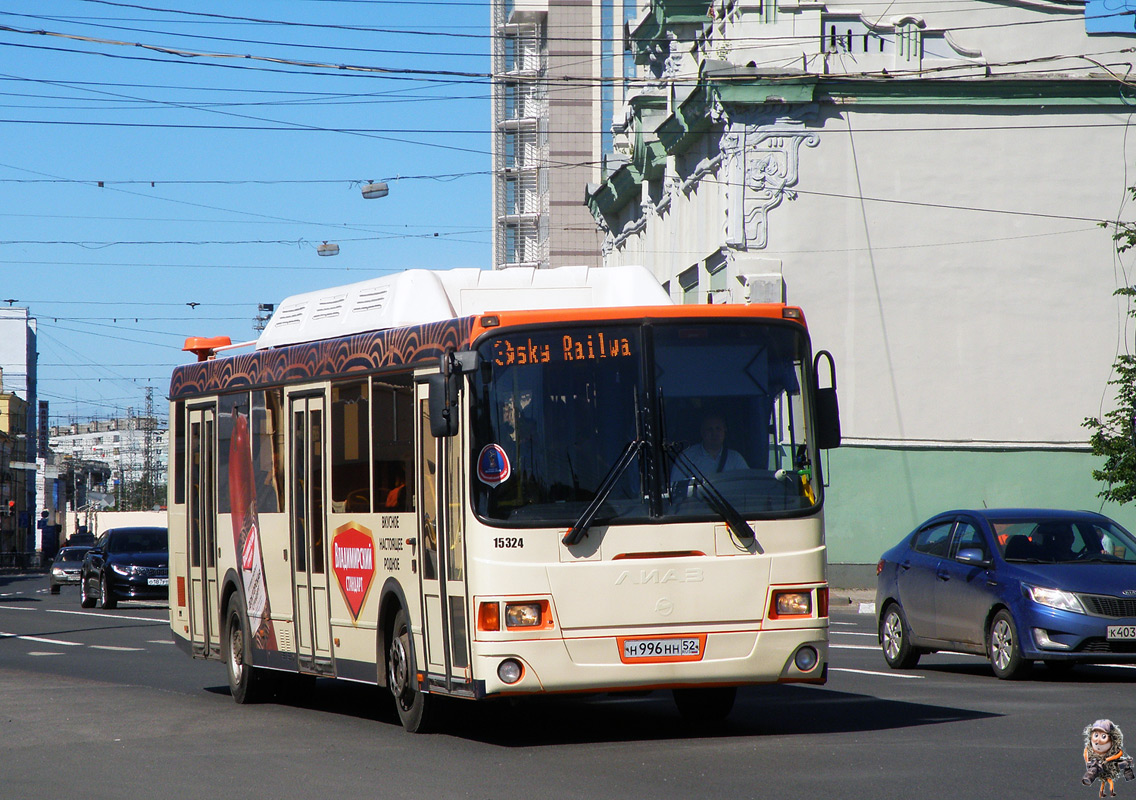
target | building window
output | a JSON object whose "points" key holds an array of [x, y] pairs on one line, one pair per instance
{"points": [[688, 281], [716, 269]]}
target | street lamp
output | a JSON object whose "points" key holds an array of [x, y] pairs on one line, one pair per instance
{"points": [[375, 190]]}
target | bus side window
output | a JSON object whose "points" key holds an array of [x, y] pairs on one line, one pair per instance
{"points": [[268, 449], [392, 432], [350, 448]]}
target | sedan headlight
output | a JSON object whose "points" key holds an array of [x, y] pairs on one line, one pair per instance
{"points": [[1054, 598], [122, 569]]}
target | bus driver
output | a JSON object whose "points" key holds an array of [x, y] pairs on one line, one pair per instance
{"points": [[711, 454]]}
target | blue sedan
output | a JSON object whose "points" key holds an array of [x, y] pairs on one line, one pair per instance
{"points": [[1015, 585]]}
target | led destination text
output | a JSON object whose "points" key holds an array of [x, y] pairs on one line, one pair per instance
{"points": [[581, 347]]}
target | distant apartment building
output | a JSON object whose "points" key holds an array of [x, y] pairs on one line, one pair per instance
{"points": [[16, 481], [109, 455], [558, 78], [18, 447]]}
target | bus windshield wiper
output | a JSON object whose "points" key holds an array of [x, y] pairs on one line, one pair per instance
{"points": [[714, 498], [580, 529]]}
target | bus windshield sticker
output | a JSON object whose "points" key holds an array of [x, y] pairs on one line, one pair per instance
{"points": [[493, 466], [353, 559]]}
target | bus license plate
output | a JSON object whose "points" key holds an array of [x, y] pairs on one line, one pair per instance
{"points": [[661, 648], [1122, 631], [158, 582]]}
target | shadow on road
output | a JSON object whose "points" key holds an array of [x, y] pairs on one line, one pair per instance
{"points": [[592, 719], [1081, 673]]}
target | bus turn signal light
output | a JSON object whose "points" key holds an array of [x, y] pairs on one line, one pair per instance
{"points": [[489, 617]]}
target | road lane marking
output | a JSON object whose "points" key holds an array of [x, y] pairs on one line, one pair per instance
{"points": [[155, 620], [39, 639], [116, 649], [18, 608], [160, 641], [832, 646], [871, 672]]}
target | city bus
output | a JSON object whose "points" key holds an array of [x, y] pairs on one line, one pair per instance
{"points": [[478, 484]]}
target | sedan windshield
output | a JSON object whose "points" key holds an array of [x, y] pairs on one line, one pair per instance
{"points": [[137, 542], [1063, 541], [698, 420]]}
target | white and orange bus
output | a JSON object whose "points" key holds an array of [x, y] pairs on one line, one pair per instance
{"points": [[478, 484]]}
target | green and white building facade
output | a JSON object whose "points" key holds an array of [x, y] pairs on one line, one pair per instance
{"points": [[926, 180]]}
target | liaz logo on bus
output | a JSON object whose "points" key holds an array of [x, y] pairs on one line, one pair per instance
{"points": [[353, 559]]}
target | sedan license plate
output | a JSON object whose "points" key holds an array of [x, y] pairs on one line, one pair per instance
{"points": [[661, 648], [157, 581], [1121, 632]]}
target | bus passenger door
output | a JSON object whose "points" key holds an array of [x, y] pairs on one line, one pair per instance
{"points": [[307, 520], [201, 548], [442, 548]]}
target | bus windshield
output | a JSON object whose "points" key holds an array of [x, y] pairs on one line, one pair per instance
{"points": [[708, 411]]}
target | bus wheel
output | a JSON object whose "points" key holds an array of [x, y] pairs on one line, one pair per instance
{"points": [[413, 706], [246, 683], [705, 706]]}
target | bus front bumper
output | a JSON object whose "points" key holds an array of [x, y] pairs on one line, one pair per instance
{"points": [[602, 663]]}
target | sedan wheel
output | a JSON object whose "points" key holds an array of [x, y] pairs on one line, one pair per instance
{"points": [[106, 594], [1004, 649], [895, 639], [84, 600]]}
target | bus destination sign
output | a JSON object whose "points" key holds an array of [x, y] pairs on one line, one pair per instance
{"points": [[510, 351]]}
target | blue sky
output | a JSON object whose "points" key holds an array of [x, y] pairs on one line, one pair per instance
{"points": [[221, 174]]}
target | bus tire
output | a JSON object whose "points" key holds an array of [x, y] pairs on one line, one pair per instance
{"points": [[412, 705], [247, 684], [705, 706]]}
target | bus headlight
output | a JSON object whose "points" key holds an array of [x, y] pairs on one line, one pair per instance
{"points": [[794, 603], [523, 615]]}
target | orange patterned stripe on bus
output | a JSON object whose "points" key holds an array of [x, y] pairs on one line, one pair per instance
{"points": [[365, 352]]}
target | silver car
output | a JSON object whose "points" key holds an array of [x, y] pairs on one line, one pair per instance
{"points": [[66, 566]]}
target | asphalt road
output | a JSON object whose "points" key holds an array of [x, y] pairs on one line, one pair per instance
{"points": [[100, 704]]}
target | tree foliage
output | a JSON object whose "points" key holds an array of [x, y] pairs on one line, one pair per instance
{"points": [[1113, 435]]}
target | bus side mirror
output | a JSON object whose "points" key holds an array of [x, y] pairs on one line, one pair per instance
{"points": [[827, 408], [443, 400], [443, 391]]}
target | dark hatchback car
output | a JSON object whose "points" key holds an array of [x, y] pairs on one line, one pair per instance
{"points": [[126, 564], [66, 566], [1015, 585]]}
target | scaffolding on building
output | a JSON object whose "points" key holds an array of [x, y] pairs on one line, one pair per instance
{"points": [[520, 138]]}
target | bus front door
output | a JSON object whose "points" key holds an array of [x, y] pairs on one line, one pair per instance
{"points": [[442, 548], [307, 521], [201, 548]]}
